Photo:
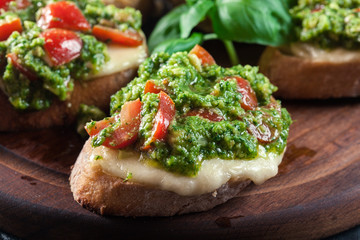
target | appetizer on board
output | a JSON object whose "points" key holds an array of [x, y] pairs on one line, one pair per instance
{"points": [[183, 136], [324, 59], [57, 55]]}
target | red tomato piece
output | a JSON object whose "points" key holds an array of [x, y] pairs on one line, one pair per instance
{"points": [[249, 100], [95, 128], [163, 118], [127, 38], [127, 131], [150, 87], [4, 4], [15, 61], [130, 112], [61, 46], [7, 28], [203, 55], [206, 113], [64, 15]]}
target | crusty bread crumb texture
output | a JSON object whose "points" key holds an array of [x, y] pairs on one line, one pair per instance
{"points": [[108, 195], [300, 78]]}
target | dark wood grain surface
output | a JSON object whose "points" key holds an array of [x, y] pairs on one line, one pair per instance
{"points": [[316, 193]]}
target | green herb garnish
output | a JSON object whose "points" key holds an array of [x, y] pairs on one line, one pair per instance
{"points": [[265, 22], [128, 177]]}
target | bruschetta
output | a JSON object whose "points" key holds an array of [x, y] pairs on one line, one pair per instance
{"points": [[55, 56], [184, 136], [323, 59]]}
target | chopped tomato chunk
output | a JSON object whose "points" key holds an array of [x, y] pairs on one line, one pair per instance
{"points": [[203, 55], [249, 100], [61, 46], [26, 72], [64, 15], [4, 4], [127, 38], [126, 132], [7, 28], [94, 128], [130, 111], [206, 113], [150, 87], [163, 118]]}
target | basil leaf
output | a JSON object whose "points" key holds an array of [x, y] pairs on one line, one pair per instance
{"points": [[179, 45], [191, 2], [265, 22], [167, 28], [291, 3], [194, 15]]}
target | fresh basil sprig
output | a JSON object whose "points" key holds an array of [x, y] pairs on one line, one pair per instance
{"points": [[265, 22], [194, 14], [167, 28], [180, 44]]}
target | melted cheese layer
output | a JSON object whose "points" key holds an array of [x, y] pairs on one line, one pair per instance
{"points": [[122, 58], [304, 50], [211, 176]]}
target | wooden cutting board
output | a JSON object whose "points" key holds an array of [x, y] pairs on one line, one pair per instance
{"points": [[316, 193]]}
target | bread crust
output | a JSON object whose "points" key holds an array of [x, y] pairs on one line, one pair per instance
{"points": [[108, 195], [93, 92], [300, 78]]}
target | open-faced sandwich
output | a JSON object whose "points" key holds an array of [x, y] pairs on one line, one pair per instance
{"points": [[184, 136], [324, 59], [56, 55]]}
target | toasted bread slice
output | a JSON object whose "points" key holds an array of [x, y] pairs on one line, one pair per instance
{"points": [[116, 172], [94, 92], [121, 69], [105, 194], [307, 78]]}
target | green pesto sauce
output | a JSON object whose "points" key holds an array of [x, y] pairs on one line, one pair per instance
{"points": [[55, 82], [95, 11], [111, 16], [328, 23], [191, 139], [148, 112], [27, 14]]}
